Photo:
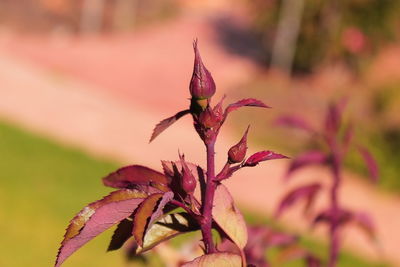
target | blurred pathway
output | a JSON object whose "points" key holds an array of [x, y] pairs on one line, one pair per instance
{"points": [[75, 99]]}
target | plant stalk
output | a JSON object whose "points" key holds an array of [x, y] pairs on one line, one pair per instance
{"points": [[334, 235], [211, 185]]}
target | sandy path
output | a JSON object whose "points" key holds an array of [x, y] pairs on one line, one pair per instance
{"points": [[118, 122]]}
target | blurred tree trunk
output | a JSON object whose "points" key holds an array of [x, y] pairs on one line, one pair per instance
{"points": [[124, 14], [92, 16], [284, 48]]}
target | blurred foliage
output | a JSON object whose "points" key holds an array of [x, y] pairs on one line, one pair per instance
{"points": [[338, 30], [318, 248]]}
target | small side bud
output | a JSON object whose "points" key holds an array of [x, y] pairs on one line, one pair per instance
{"points": [[237, 153], [202, 85], [188, 181]]}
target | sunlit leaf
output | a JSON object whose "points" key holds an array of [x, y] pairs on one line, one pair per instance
{"points": [[166, 228], [228, 217], [164, 124], [148, 211], [131, 176], [258, 157], [216, 260], [307, 192], [96, 218]]}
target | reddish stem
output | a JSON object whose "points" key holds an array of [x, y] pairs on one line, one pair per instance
{"points": [[211, 185], [334, 235]]}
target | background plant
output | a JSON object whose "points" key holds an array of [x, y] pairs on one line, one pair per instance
{"points": [[333, 143]]}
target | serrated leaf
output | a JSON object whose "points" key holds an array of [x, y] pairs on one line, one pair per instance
{"points": [[313, 157], [148, 211], [133, 175], [295, 122], [370, 162], [228, 217], [248, 102], [164, 124], [258, 157], [166, 228], [96, 218], [307, 192], [216, 260]]}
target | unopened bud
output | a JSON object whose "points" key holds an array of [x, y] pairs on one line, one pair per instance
{"points": [[237, 153], [202, 85], [188, 181]]}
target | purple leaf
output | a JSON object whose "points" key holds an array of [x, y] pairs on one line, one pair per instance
{"points": [[305, 159], [129, 176], [96, 218], [164, 124], [258, 157], [341, 216], [249, 102], [333, 118], [370, 162], [307, 192], [294, 121]]}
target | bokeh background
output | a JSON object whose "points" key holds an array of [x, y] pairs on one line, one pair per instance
{"points": [[83, 82]]}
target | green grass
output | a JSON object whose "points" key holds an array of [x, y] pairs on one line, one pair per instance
{"points": [[42, 186]]}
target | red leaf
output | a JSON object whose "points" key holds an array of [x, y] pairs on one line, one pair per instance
{"points": [[148, 212], [258, 157], [370, 162], [129, 176], [96, 218], [249, 102], [305, 159], [294, 121], [307, 192], [164, 124]]}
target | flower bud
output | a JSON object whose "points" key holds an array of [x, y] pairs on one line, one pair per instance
{"points": [[202, 85], [188, 181], [237, 153]]}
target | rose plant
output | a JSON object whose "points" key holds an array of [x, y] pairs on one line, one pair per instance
{"points": [[150, 207], [333, 142]]}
